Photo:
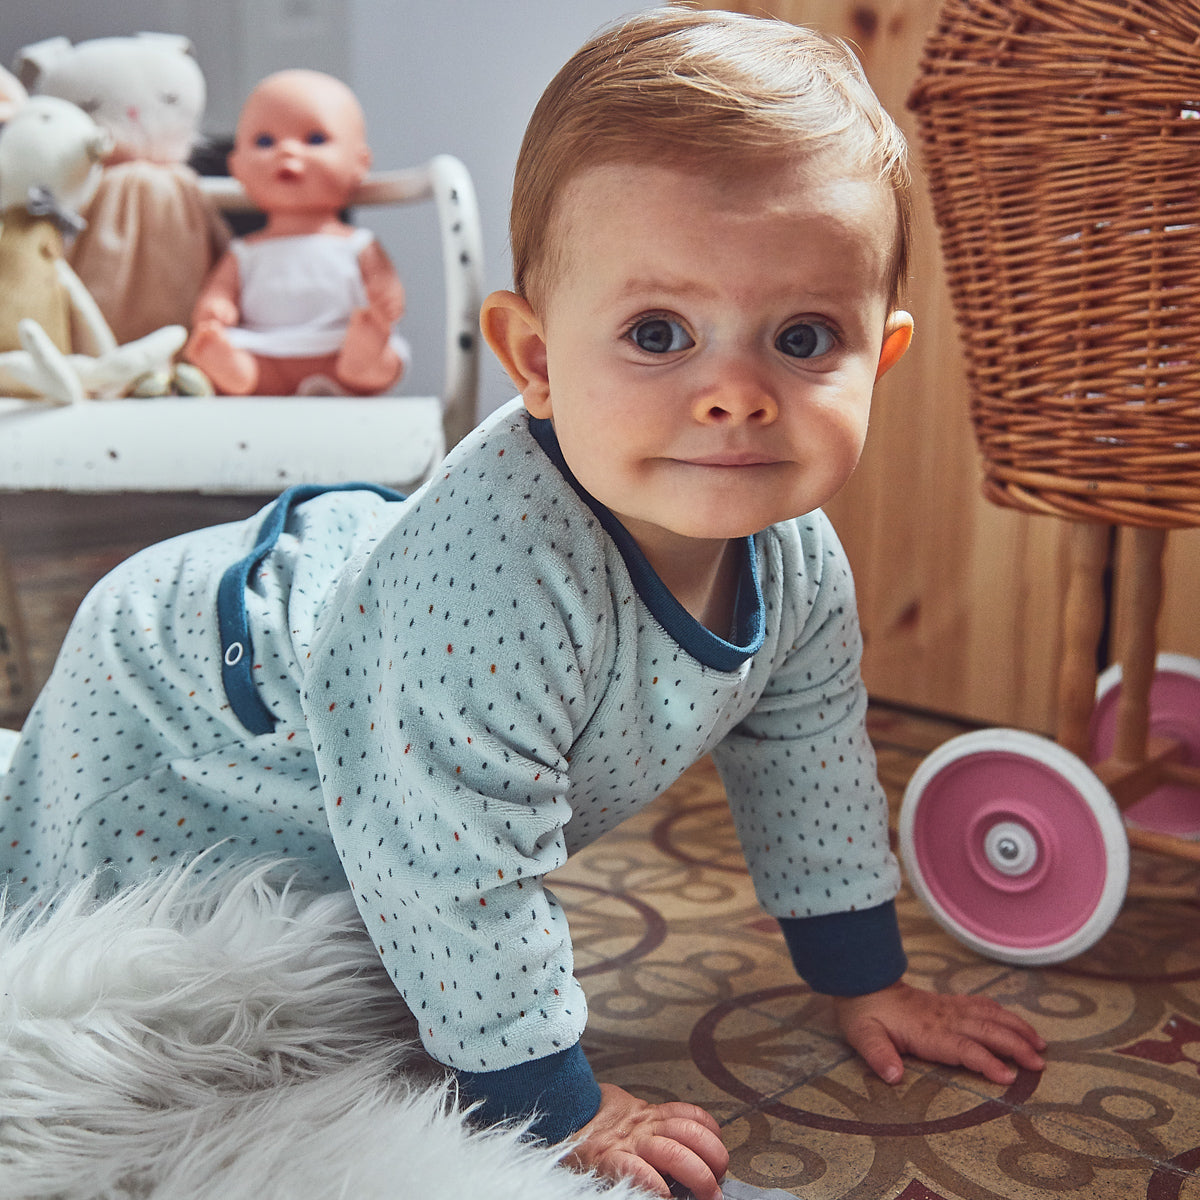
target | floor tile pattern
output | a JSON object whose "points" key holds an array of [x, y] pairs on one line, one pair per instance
{"points": [[692, 995]]}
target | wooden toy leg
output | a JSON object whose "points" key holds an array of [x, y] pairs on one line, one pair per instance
{"points": [[1149, 746], [1083, 622], [1136, 762], [1141, 587], [16, 674]]}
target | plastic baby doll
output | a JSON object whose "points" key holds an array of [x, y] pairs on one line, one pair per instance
{"points": [[307, 303], [436, 701]]}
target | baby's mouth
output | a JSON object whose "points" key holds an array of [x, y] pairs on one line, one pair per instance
{"points": [[731, 458]]}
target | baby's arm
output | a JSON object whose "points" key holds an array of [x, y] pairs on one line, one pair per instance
{"points": [[828, 848]]}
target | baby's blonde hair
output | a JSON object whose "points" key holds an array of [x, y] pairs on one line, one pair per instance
{"points": [[705, 91]]}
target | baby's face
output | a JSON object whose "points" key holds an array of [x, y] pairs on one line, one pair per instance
{"points": [[300, 146], [712, 346]]}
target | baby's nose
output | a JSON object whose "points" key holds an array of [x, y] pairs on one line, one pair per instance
{"points": [[739, 394]]}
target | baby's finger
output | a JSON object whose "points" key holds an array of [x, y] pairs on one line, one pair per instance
{"points": [[689, 1112], [877, 1050], [1030, 1038], [984, 1008], [978, 1058], [673, 1159], [621, 1164], [1010, 1043], [702, 1140]]}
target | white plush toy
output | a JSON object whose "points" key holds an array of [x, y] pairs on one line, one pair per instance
{"points": [[152, 235], [54, 342]]}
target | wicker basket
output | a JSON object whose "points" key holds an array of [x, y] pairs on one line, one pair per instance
{"points": [[1062, 143]]}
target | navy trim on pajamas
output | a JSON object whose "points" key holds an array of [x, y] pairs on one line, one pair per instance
{"points": [[559, 1088], [237, 648], [749, 618], [847, 953]]}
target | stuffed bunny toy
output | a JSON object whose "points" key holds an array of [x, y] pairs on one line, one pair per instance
{"points": [[54, 341], [152, 235]]}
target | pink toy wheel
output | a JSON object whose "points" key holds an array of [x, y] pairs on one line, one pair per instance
{"points": [[1016, 848], [1174, 713]]}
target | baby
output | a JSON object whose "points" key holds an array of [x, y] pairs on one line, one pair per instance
{"points": [[434, 702], [307, 303]]}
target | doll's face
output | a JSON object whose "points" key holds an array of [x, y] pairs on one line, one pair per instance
{"points": [[300, 144]]}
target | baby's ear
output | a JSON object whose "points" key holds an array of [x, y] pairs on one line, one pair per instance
{"points": [[897, 335], [517, 338]]}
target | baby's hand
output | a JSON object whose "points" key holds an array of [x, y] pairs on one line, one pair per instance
{"points": [[630, 1139], [968, 1031]]}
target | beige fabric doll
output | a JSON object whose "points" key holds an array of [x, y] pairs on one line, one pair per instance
{"points": [[151, 236], [54, 341]]}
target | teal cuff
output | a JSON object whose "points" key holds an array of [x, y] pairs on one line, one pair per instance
{"points": [[847, 954], [560, 1089]]}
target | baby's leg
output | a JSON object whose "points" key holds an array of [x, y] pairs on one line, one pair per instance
{"points": [[233, 371], [368, 363], [132, 756]]}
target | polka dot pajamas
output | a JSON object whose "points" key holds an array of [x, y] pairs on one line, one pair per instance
{"points": [[468, 687]]}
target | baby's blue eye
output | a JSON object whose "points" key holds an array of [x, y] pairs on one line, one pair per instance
{"points": [[805, 340], [660, 335], [317, 138], [264, 141]]}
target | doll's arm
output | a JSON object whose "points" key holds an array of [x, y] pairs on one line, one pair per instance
{"points": [[219, 297], [385, 293]]}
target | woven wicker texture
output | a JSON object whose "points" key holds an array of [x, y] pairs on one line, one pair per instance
{"points": [[1062, 142]]}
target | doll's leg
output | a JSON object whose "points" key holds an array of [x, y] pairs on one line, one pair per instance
{"points": [[368, 363], [40, 369], [115, 371], [233, 371]]}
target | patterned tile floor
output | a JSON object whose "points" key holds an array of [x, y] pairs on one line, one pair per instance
{"points": [[692, 995]]}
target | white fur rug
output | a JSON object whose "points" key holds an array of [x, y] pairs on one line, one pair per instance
{"points": [[230, 1039]]}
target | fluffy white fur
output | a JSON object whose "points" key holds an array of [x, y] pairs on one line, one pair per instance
{"points": [[230, 1038]]}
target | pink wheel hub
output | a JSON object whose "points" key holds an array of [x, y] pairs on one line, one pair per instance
{"points": [[1008, 848], [1015, 846]]}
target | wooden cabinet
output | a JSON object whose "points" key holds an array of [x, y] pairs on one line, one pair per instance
{"points": [[960, 601]]}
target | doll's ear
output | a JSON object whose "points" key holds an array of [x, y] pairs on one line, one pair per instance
{"points": [[518, 340], [897, 336], [35, 60]]}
